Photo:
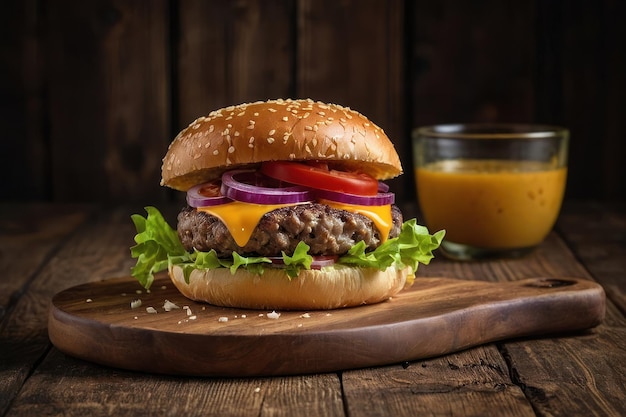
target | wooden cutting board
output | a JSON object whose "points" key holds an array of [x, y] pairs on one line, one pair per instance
{"points": [[436, 316]]}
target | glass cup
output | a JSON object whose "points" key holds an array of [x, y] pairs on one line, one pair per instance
{"points": [[495, 188]]}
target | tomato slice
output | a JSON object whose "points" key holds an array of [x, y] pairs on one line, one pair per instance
{"points": [[320, 177]]}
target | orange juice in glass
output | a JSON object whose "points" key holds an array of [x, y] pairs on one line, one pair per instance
{"points": [[495, 189]]}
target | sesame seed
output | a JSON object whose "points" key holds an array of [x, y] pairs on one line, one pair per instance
{"points": [[256, 113], [242, 113], [231, 149], [250, 127], [236, 133], [292, 156], [285, 118], [251, 140], [321, 113], [211, 129], [272, 132], [270, 140], [272, 110], [216, 152], [308, 128]]}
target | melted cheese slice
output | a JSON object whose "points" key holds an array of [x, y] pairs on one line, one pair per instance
{"points": [[241, 218], [380, 215]]}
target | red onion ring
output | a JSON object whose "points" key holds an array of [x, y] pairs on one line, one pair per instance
{"points": [[195, 198], [382, 187], [241, 185], [380, 199]]}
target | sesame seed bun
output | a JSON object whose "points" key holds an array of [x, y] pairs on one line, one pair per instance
{"points": [[296, 130]]}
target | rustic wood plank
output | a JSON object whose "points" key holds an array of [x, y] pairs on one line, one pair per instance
{"points": [[30, 234], [351, 53], [232, 52], [552, 381], [596, 234], [59, 387], [59, 382], [23, 334], [593, 31], [471, 62], [471, 383], [109, 98], [24, 148]]}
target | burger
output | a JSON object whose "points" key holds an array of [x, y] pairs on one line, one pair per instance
{"points": [[286, 209]]}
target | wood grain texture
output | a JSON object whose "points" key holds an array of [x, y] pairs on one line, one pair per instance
{"points": [[108, 94], [232, 52], [471, 383], [461, 55], [22, 103], [437, 316], [28, 241], [597, 235], [98, 391], [59, 251]]}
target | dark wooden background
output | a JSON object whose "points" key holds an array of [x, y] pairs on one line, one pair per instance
{"points": [[92, 92]]}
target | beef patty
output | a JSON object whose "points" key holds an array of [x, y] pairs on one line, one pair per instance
{"points": [[328, 231]]}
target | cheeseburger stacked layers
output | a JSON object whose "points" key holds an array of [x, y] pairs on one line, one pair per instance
{"points": [[286, 210]]}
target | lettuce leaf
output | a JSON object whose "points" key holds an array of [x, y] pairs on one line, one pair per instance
{"points": [[158, 247], [413, 246], [299, 260]]}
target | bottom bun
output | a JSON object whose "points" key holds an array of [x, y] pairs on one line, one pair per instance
{"points": [[312, 290]]}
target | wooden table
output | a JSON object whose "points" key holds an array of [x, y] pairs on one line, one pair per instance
{"points": [[47, 248]]}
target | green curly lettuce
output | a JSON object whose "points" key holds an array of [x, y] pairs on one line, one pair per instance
{"points": [[158, 247]]}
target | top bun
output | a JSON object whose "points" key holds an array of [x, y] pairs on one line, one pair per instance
{"points": [[287, 130]]}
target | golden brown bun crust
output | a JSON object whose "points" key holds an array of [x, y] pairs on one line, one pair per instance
{"points": [[312, 290], [296, 130]]}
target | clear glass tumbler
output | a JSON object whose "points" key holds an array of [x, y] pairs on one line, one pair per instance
{"points": [[496, 189]]}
